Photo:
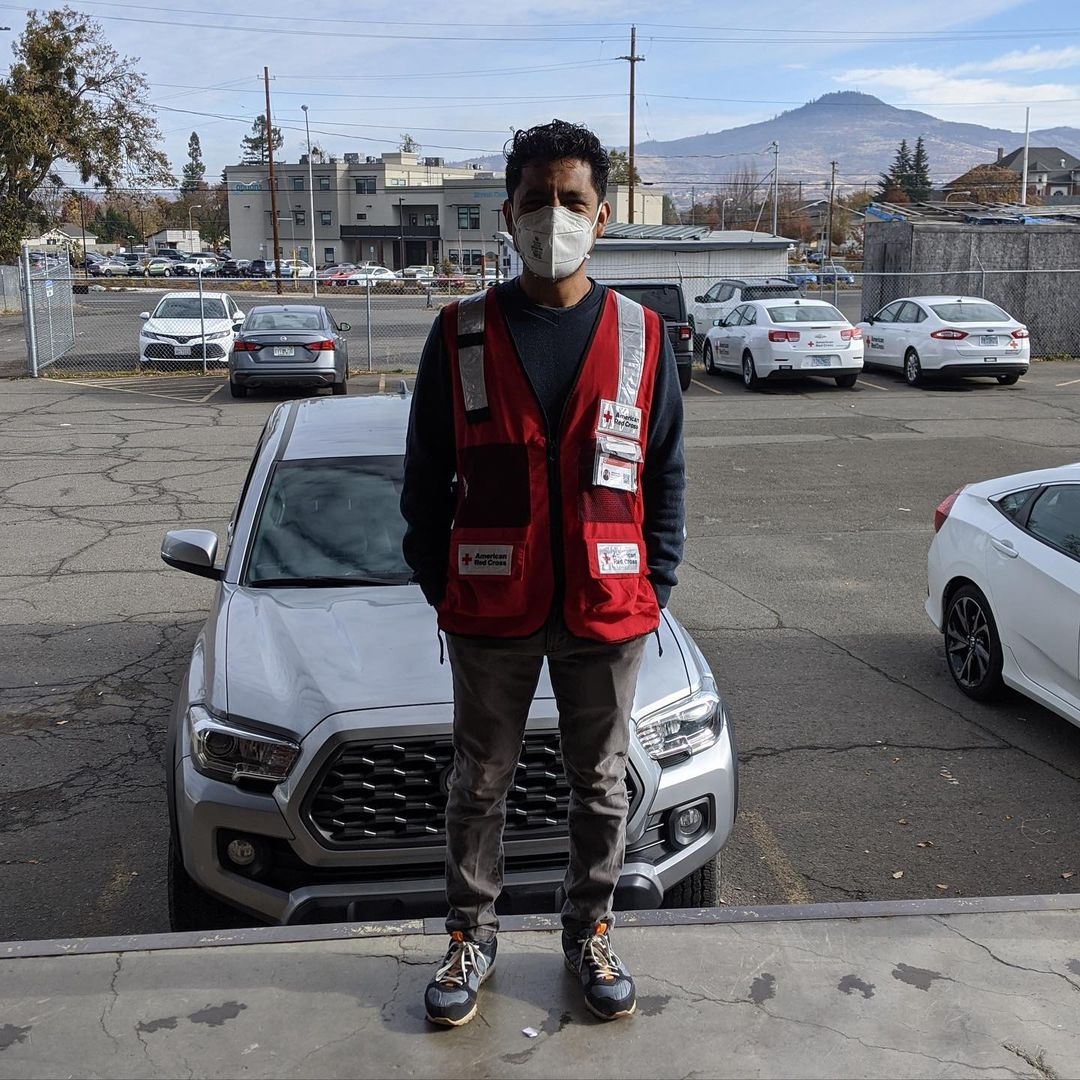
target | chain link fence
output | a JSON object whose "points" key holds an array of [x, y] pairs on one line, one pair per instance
{"points": [[88, 327]]}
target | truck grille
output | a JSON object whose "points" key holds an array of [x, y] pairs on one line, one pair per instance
{"points": [[377, 795]]}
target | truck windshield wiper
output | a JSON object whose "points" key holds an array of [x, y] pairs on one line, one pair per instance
{"points": [[323, 582]]}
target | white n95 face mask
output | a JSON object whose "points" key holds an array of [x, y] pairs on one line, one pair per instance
{"points": [[554, 241]]}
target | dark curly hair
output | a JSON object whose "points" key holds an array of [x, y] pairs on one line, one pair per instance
{"points": [[553, 142]]}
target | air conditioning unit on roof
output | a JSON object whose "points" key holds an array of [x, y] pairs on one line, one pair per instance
{"points": [[352, 159]]}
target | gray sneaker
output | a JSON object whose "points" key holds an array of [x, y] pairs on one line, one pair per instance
{"points": [[609, 989], [450, 998]]}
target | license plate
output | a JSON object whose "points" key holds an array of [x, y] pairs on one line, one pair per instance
{"points": [[284, 350], [820, 361], [989, 359], [989, 340], [182, 350]]}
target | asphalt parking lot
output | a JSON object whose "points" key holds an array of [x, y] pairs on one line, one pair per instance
{"points": [[865, 774]]}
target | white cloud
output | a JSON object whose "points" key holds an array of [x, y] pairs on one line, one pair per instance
{"points": [[986, 101], [1034, 59]]}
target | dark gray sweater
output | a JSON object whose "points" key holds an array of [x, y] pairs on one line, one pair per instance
{"points": [[551, 343]]}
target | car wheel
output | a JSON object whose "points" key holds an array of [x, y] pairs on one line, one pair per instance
{"points": [[707, 357], [108, 273], [190, 908], [1008, 380], [685, 375], [236, 389], [846, 382], [913, 372], [749, 372], [700, 890], [340, 389], [166, 273], [972, 645]]}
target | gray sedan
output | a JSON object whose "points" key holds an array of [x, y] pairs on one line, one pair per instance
{"points": [[311, 741], [290, 345]]}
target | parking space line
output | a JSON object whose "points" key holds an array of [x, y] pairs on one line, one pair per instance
{"points": [[382, 382], [203, 400], [796, 891], [876, 386], [719, 393], [1069, 383]]}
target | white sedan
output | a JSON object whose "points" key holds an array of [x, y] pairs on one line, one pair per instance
{"points": [[947, 335], [364, 275], [783, 339], [178, 329], [1004, 587]]}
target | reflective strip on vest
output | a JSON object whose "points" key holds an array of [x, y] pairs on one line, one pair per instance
{"points": [[631, 348], [470, 335]]}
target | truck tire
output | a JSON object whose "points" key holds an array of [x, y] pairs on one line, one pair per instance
{"points": [[192, 909], [685, 375], [700, 890]]}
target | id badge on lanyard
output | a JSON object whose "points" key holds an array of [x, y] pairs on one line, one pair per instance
{"points": [[616, 464]]}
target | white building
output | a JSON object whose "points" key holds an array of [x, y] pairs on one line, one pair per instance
{"points": [[181, 239], [395, 210]]}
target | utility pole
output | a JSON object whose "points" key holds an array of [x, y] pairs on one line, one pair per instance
{"points": [[634, 60], [832, 197], [273, 188], [1024, 166], [775, 184]]}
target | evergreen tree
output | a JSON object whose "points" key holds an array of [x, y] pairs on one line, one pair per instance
{"points": [[194, 175], [897, 181], [620, 168], [919, 185], [408, 144], [254, 145]]}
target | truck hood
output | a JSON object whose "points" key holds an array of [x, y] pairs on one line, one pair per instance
{"points": [[296, 656]]}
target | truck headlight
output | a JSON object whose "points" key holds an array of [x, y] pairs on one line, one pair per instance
{"points": [[224, 751], [684, 728]]}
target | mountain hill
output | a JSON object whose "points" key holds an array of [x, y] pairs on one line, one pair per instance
{"points": [[860, 132]]}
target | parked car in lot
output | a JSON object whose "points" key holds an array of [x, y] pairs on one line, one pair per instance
{"points": [[726, 295], [948, 336], [176, 330], [260, 268], [294, 268], [110, 266], [311, 737], [234, 268], [833, 273], [1004, 587], [363, 275], [667, 300], [800, 275], [335, 274], [197, 266], [785, 339], [290, 345], [418, 273], [159, 267]]}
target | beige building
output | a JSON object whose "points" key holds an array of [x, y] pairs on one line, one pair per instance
{"points": [[399, 209]]}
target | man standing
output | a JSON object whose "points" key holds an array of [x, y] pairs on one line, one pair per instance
{"points": [[543, 498]]}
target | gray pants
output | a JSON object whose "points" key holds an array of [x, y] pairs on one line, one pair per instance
{"points": [[494, 685]]}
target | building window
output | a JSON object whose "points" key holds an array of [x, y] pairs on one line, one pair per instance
{"points": [[299, 217], [361, 217], [326, 217], [396, 181], [328, 254], [324, 183], [431, 219], [468, 217], [365, 185], [413, 220], [303, 254], [298, 183]]}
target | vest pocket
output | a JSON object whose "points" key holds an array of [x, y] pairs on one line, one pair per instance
{"points": [[486, 576], [617, 586]]}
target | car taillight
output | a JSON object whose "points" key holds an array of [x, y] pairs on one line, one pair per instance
{"points": [[850, 335], [1021, 333], [942, 512], [949, 335], [783, 335], [320, 346], [684, 333], [245, 346]]}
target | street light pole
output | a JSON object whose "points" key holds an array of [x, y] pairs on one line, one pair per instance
{"points": [[401, 225], [197, 206], [311, 191]]}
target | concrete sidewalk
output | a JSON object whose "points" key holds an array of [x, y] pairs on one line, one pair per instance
{"points": [[948, 988]]}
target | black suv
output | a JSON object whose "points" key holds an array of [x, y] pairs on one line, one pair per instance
{"points": [[667, 300]]}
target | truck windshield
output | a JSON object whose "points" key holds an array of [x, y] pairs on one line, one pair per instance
{"points": [[665, 300]]}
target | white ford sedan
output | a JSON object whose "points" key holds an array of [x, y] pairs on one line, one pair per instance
{"points": [[1004, 587], [782, 339], [947, 335]]}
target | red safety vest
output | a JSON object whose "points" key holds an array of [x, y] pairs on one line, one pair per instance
{"points": [[516, 485]]}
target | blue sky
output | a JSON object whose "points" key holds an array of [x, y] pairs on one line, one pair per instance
{"points": [[460, 77]]}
